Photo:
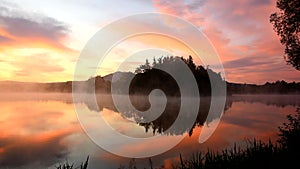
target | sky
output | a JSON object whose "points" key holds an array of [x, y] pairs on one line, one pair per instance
{"points": [[40, 41]]}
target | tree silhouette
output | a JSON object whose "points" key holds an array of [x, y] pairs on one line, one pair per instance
{"points": [[287, 25], [147, 73], [143, 68], [290, 133]]}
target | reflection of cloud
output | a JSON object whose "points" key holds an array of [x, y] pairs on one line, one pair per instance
{"points": [[249, 123], [241, 122], [17, 151], [36, 136]]}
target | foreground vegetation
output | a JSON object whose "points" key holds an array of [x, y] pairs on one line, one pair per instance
{"points": [[257, 154], [84, 165]]}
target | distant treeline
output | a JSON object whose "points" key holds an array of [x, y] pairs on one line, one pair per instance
{"points": [[278, 87], [101, 86], [150, 76]]}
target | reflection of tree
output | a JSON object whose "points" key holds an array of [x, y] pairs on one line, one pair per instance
{"points": [[149, 77], [163, 123], [276, 100]]}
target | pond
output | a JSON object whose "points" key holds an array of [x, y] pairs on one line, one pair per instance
{"points": [[42, 130]]}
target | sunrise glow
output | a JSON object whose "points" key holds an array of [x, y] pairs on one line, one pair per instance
{"points": [[41, 41]]}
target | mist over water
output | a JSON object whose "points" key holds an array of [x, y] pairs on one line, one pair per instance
{"points": [[39, 130]]}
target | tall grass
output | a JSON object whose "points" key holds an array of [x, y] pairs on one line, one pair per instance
{"points": [[256, 155], [83, 165]]}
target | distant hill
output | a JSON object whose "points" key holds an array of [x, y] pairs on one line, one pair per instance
{"points": [[13, 86], [118, 76], [148, 77], [101, 86]]}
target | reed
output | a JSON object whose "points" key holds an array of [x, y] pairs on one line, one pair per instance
{"points": [[83, 165], [256, 155]]}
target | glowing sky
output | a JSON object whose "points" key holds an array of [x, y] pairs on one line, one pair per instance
{"points": [[41, 40]]}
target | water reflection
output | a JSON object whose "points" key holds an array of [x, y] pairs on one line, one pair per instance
{"points": [[163, 123], [276, 100], [40, 130], [33, 133]]}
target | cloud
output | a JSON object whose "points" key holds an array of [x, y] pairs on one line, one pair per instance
{"points": [[241, 33], [4, 40], [244, 62], [46, 28], [260, 2], [187, 10], [36, 65], [26, 28]]}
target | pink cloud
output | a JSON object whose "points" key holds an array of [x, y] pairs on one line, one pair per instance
{"points": [[238, 29], [181, 8], [19, 28]]}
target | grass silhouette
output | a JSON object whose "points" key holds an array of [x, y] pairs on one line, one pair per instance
{"points": [[84, 165]]}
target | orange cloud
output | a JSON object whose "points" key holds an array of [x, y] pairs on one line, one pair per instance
{"points": [[33, 46], [31, 30]]}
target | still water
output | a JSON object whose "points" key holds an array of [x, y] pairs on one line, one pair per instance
{"points": [[42, 130]]}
